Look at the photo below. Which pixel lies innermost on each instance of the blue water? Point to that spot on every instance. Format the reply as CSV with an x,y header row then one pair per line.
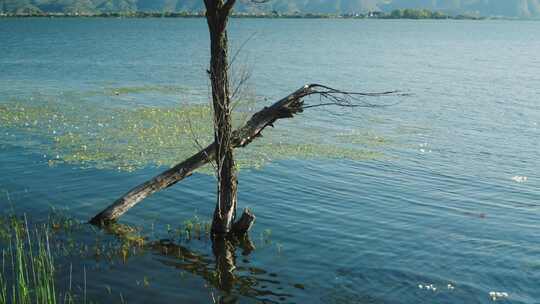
x,y
446,203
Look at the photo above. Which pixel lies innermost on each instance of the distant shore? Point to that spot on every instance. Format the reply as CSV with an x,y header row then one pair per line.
x,y
396,14
414,14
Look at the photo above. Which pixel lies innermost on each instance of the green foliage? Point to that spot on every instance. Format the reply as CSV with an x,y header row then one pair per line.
x,y
415,14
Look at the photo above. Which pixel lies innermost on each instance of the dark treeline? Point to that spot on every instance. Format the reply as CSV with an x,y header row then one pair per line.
x,y
395,14
526,9
409,13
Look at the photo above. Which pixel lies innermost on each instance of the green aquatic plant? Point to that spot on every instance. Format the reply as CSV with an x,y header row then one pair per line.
x,y
266,237
279,247
81,131
162,89
146,281
39,248
31,256
60,221
30,276
196,227
362,138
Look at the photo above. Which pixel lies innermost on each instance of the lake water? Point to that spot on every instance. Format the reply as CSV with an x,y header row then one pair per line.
x,y
365,205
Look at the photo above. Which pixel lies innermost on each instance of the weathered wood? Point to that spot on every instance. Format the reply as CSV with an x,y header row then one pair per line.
x,y
244,224
216,16
160,182
285,108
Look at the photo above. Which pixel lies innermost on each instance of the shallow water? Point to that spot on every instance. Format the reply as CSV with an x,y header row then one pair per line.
x,y
438,194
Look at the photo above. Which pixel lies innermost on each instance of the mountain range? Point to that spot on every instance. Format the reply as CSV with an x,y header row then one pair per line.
x,y
505,8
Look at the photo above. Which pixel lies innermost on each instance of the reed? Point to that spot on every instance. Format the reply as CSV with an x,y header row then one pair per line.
x,y
27,273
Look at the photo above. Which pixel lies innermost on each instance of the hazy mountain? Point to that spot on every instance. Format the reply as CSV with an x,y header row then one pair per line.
x,y
511,8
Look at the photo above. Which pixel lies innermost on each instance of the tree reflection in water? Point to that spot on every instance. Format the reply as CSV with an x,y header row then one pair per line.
x,y
220,271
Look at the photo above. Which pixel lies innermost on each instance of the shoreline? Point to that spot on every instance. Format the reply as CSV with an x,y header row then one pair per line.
x,y
142,15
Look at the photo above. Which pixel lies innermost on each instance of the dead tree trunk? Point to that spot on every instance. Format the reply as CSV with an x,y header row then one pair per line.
x,y
284,108
217,13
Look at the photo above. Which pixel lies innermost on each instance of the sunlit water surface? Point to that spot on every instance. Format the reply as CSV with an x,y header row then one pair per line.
x,y
385,205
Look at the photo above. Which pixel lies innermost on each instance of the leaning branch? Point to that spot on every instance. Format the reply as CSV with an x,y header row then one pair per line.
x,y
284,108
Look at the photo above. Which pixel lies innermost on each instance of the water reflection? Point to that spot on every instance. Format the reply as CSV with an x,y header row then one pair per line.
x,y
221,270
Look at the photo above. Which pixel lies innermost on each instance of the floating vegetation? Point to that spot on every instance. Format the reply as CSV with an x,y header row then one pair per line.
x,y
88,134
362,138
162,89
299,286
266,236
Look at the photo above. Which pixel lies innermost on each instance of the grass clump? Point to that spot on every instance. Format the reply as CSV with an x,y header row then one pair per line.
x,y
195,228
28,270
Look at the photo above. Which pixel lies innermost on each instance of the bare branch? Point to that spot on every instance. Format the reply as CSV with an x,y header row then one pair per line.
x,y
335,97
228,6
239,84
287,107
237,52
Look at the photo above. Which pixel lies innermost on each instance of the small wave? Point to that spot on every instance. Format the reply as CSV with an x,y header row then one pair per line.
x,y
520,179
497,295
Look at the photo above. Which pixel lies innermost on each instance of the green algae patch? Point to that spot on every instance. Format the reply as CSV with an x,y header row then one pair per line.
x,y
107,137
162,89
110,138
362,138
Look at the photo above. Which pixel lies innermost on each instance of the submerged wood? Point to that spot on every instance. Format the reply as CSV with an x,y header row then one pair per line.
x,y
244,224
287,107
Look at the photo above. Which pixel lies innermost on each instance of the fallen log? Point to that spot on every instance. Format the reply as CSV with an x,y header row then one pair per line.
x,y
287,107
284,108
